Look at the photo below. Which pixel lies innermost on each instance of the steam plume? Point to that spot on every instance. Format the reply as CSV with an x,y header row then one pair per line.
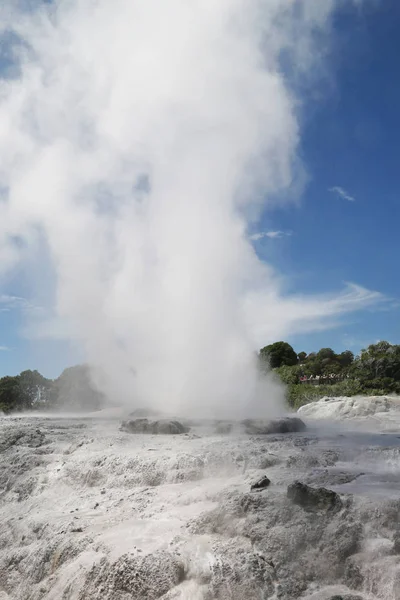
x,y
137,139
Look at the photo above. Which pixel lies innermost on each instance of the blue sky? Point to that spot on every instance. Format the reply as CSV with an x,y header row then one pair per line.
x,y
343,228
350,141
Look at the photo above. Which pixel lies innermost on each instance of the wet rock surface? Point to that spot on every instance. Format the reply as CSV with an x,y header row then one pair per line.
x,y
160,427
88,512
261,484
314,498
284,425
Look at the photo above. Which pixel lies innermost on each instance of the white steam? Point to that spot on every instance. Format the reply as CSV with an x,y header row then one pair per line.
x,y
137,139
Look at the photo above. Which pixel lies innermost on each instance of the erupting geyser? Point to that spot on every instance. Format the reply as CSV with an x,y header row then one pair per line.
x,y
139,141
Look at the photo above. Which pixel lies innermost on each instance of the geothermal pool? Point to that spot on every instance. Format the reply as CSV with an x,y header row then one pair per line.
x,y
90,512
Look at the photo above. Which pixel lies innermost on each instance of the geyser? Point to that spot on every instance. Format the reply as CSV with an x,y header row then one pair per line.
x,y
138,142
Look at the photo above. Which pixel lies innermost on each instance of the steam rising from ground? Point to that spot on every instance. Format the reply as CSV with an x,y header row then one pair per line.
x,y
138,140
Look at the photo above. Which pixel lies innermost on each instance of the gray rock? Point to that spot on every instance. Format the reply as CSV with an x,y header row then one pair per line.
x,y
32,438
161,427
148,578
314,498
238,573
284,425
261,484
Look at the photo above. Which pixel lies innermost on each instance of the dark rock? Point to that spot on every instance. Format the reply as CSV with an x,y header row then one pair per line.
x,y
169,427
261,484
163,426
314,498
346,597
396,542
284,425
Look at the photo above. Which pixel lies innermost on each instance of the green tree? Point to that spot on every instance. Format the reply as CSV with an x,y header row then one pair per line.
x,y
313,366
10,394
346,358
302,356
377,364
35,390
278,354
289,375
326,354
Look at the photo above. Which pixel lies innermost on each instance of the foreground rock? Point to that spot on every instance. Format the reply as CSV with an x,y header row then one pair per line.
x,y
261,484
148,578
93,514
284,425
161,427
314,498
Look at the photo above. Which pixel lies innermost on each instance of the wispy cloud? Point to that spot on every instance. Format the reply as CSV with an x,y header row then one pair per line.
x,y
9,302
4,348
342,193
270,234
288,314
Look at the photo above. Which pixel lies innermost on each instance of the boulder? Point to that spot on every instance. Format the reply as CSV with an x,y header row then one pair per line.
x,y
283,425
261,484
314,498
161,427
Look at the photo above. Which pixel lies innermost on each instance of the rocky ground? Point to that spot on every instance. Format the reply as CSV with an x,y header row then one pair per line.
x,y
89,511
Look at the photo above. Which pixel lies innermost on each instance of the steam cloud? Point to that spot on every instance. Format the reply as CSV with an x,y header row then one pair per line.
x,y
138,139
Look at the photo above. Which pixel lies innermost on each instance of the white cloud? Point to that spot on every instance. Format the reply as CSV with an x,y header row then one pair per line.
x,y
270,234
342,193
201,110
4,348
279,315
11,301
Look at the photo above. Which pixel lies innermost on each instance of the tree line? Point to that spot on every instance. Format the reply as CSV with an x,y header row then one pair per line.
x,y
29,390
375,371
